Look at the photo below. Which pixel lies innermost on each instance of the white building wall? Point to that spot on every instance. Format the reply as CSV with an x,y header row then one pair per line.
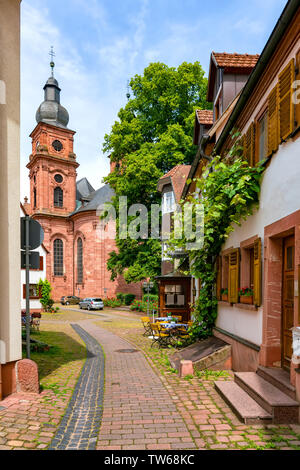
x,y
280,197
10,325
34,277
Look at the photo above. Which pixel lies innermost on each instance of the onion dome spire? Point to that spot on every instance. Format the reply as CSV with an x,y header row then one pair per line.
x,y
51,111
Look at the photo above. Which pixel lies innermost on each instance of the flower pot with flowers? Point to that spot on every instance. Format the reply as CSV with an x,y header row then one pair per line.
x,y
246,295
224,295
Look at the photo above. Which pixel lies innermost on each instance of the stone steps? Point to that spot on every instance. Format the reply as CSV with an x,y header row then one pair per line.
x,y
247,409
281,407
279,378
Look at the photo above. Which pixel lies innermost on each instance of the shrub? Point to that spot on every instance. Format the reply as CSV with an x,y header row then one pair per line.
x,y
129,298
152,298
112,302
121,296
45,291
142,306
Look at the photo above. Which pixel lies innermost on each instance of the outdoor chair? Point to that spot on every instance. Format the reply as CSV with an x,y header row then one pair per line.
x,y
35,319
178,317
146,325
161,336
180,334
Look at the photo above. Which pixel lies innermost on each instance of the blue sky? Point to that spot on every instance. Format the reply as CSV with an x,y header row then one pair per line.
x,y
101,44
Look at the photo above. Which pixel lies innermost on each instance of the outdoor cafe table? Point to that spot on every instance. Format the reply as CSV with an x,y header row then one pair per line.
x,y
170,326
166,319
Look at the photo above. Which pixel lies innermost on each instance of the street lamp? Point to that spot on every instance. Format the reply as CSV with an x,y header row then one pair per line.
x,y
148,286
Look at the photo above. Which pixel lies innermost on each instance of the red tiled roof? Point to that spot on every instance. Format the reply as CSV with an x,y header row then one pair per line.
x,y
205,117
235,60
178,175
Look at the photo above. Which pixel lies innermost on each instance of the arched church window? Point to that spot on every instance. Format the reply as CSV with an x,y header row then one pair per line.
x,y
58,256
34,198
58,197
79,261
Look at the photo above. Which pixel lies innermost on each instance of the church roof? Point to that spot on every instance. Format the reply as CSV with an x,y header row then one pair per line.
x,y
83,189
96,199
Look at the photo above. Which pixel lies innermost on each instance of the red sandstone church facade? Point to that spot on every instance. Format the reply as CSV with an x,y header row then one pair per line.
x,y
78,244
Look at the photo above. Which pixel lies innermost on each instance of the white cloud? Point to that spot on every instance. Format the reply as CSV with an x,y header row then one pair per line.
x,y
81,93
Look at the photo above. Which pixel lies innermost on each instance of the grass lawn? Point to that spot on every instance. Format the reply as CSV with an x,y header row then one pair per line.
x,y
62,364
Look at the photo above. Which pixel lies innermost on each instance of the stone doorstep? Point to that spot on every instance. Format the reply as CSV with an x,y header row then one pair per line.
x,y
203,354
247,409
217,358
279,378
282,407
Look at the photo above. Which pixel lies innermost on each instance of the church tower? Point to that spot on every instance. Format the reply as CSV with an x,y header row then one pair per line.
x,y
52,163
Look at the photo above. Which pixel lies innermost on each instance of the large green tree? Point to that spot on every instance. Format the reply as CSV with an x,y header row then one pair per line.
x,y
153,134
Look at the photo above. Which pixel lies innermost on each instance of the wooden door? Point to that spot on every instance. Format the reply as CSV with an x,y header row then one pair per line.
x,y
288,300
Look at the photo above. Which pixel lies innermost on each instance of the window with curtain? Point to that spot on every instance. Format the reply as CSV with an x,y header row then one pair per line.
x,y
58,253
79,261
58,197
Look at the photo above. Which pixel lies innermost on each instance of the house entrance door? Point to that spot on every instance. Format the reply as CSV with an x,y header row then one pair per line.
x,y
288,300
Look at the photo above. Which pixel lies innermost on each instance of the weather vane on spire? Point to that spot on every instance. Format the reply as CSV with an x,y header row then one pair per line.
x,y
52,64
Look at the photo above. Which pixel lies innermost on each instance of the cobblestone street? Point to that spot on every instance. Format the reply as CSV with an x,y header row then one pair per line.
x,y
146,406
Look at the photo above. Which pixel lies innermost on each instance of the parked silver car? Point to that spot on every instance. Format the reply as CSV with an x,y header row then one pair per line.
x,y
92,303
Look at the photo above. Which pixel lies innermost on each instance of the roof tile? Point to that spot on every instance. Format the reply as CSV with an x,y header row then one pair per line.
x,y
178,175
205,117
226,60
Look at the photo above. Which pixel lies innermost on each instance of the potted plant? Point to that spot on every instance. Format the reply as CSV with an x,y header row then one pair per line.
x,y
224,295
246,295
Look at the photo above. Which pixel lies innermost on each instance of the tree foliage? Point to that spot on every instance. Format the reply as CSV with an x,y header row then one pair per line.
x,y
45,289
229,192
152,135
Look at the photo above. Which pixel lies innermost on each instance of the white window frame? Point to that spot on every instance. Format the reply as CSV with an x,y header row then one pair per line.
x,y
168,205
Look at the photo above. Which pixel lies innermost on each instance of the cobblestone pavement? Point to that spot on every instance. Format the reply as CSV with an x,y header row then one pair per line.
x,y
210,423
138,410
80,425
30,421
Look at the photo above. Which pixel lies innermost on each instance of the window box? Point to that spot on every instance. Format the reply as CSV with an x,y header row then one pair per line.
x,y
246,299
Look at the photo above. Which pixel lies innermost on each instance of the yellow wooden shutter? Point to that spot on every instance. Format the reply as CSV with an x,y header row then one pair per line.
x,y
219,277
286,108
273,121
234,274
297,105
249,145
257,281
256,143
